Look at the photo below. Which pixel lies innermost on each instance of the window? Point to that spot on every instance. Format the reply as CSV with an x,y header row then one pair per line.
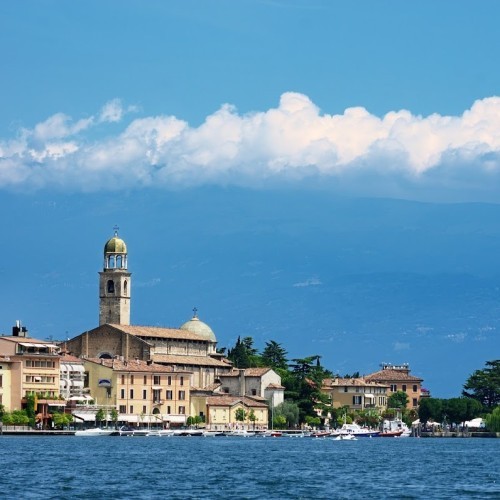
x,y
168,410
125,287
123,379
169,380
182,395
415,402
145,379
415,388
144,410
123,409
394,387
131,409
182,410
131,379
345,389
122,394
156,380
254,392
404,387
144,394
131,393
182,381
1,381
111,286
356,400
169,394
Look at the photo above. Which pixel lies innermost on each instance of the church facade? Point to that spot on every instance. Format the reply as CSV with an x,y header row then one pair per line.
x,y
191,347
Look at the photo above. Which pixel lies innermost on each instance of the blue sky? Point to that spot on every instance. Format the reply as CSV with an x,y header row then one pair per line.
x,y
112,100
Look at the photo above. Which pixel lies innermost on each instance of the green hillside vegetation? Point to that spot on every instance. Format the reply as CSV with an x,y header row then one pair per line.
x,y
303,378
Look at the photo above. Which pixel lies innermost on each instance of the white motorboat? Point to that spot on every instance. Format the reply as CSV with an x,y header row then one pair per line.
x,y
94,432
345,437
355,430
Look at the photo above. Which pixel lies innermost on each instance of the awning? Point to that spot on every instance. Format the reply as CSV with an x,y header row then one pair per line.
x,y
57,404
86,417
369,396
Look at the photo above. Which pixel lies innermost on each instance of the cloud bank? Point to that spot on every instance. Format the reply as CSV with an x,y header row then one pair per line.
x,y
399,154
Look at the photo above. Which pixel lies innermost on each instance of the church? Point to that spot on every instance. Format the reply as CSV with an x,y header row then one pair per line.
x,y
190,348
164,373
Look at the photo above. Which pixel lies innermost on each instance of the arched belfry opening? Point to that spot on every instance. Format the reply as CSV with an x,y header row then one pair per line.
x,y
114,283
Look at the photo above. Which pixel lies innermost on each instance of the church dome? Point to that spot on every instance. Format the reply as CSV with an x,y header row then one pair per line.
x,y
194,325
115,245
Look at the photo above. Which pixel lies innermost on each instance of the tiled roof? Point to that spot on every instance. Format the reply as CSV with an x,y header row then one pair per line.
x,y
390,375
159,332
69,358
249,372
188,360
134,366
27,340
274,386
350,382
233,400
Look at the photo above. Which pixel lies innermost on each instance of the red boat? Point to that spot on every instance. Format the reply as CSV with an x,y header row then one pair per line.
x,y
390,434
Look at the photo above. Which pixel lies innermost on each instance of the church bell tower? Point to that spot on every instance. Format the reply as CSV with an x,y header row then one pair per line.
x,y
114,284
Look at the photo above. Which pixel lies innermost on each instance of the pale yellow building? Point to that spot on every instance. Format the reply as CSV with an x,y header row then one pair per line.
x,y
142,392
356,393
398,378
222,411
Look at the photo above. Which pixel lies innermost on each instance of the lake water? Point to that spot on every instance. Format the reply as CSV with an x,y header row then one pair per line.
x,y
69,467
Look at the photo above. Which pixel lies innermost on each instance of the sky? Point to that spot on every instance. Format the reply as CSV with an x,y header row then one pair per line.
x,y
144,99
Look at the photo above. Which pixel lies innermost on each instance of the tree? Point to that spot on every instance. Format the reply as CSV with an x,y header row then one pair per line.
x,y
240,415
62,419
493,420
243,354
484,385
100,415
274,356
114,416
252,417
17,417
398,399
289,411
430,408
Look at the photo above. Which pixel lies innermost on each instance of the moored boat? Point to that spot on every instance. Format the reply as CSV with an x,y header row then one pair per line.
x,y
94,432
355,430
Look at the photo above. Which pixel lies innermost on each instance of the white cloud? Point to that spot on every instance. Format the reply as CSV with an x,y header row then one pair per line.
x,y
399,154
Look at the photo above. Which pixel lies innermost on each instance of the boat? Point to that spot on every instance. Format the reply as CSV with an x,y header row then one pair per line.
x,y
321,434
355,430
345,437
160,433
395,428
96,431
241,433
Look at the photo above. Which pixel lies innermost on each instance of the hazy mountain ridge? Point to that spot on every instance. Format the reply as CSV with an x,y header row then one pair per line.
x,y
358,281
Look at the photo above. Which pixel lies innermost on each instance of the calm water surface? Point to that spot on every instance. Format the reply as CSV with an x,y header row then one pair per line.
x,y
69,467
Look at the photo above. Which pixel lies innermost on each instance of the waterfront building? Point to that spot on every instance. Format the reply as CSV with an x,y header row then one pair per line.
x,y
398,378
34,371
72,378
143,392
222,412
191,347
6,388
356,393
263,383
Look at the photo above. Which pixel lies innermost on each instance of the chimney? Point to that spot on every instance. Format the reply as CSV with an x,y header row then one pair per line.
x,y
242,382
